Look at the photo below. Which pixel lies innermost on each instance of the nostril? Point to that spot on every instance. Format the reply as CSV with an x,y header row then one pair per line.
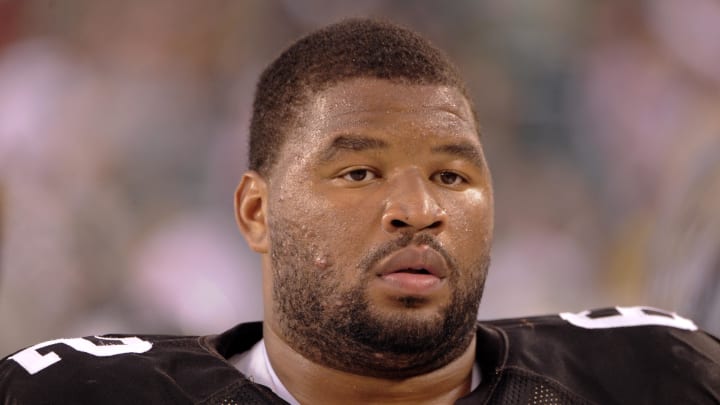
x,y
398,223
435,224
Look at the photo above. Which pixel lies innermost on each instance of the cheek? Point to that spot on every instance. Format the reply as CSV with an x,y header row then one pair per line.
x,y
328,235
341,245
471,225
342,240
345,217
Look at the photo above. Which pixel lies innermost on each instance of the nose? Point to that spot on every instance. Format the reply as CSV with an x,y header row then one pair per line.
x,y
411,207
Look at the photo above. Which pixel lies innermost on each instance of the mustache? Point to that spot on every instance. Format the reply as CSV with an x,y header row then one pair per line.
x,y
404,241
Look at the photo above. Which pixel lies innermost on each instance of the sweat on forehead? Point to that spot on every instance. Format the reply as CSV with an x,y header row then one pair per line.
x,y
349,49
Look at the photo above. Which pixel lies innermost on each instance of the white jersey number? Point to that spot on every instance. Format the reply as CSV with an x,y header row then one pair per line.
x,y
32,361
620,317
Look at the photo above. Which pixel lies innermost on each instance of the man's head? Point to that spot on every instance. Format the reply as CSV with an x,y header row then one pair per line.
x,y
370,201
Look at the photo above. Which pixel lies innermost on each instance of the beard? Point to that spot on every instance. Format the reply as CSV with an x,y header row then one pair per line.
x,y
339,328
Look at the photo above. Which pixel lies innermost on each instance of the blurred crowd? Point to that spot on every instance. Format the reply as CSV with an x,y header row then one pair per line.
x,y
123,130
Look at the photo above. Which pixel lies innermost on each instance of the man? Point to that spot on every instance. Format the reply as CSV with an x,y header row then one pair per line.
x,y
370,202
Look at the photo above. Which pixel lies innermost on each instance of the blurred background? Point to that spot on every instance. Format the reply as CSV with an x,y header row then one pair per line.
x,y
123,131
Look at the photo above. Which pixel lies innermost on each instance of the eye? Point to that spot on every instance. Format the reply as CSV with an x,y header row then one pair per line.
x,y
359,175
449,178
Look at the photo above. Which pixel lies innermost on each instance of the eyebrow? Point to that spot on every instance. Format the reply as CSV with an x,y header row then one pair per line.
x,y
464,150
357,143
354,143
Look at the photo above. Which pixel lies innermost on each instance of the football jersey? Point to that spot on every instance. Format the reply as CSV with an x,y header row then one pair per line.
x,y
618,355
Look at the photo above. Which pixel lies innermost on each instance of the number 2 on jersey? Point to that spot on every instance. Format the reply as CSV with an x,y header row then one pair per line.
x,y
32,361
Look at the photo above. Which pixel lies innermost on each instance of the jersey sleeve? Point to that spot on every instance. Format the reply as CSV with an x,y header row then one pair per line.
x,y
79,370
123,369
620,355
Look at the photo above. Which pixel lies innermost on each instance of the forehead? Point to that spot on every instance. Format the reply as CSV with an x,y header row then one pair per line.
x,y
368,103
404,117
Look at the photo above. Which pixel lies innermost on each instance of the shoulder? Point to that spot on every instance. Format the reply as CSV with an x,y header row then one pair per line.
x,y
621,352
109,369
652,327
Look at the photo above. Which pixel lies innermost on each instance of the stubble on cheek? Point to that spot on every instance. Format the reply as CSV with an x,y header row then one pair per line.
x,y
300,270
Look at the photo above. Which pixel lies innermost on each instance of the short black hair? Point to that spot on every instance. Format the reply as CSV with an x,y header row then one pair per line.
x,y
349,49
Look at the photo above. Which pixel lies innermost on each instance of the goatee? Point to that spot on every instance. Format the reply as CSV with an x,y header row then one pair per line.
x,y
339,328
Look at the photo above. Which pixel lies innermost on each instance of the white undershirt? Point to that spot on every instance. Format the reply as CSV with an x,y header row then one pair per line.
x,y
256,366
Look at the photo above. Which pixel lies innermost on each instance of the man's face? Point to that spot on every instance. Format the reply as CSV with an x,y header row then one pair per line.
x,y
380,214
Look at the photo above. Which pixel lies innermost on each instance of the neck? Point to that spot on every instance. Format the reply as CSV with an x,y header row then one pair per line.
x,y
313,383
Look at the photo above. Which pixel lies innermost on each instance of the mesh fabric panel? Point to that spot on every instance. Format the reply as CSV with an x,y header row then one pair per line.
x,y
518,387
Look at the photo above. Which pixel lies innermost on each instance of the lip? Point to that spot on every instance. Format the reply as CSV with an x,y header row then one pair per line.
x,y
401,270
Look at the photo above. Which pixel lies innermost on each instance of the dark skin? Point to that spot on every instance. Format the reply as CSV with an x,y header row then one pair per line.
x,y
371,163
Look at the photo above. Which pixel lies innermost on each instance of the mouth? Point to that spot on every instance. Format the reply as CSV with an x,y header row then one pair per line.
x,y
414,270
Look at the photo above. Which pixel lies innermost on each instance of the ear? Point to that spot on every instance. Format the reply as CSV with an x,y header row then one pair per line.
x,y
251,211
